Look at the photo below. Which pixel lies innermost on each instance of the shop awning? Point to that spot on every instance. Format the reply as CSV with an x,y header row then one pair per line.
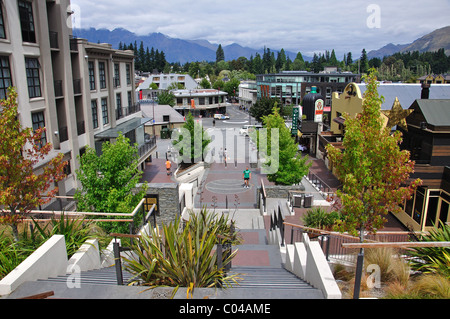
x,y
339,120
125,127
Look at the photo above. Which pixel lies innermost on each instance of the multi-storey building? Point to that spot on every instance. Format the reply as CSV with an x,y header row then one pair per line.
x,y
247,94
156,83
291,86
204,102
80,92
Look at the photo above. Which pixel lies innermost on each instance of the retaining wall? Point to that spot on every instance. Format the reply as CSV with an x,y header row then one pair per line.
x,y
49,260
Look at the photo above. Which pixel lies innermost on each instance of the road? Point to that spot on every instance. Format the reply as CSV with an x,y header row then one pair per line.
x,y
225,135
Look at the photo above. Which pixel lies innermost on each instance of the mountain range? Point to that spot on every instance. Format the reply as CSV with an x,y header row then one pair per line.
x,y
179,50
176,50
433,41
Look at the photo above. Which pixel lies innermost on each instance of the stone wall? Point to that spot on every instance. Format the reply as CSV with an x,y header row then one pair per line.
x,y
168,201
280,191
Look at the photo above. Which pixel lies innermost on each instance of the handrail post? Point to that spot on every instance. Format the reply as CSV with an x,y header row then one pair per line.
x,y
328,247
219,256
118,262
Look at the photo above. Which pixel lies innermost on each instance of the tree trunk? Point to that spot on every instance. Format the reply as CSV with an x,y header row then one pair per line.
x,y
359,266
15,232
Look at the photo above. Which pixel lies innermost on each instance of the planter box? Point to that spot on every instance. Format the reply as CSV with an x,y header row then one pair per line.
x,y
49,260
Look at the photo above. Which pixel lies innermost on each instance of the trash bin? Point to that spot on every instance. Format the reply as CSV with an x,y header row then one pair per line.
x,y
308,201
297,200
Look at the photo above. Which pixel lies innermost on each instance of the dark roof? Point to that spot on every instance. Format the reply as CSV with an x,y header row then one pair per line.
x,y
436,112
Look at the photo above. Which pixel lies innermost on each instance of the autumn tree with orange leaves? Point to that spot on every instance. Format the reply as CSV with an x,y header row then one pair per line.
x,y
374,172
21,189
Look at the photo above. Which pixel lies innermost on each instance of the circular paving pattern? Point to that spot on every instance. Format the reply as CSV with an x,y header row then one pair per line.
x,y
227,186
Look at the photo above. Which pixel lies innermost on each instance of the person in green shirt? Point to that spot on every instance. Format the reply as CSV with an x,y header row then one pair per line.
x,y
246,175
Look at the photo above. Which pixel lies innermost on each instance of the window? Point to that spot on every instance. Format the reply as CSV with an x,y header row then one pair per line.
x,y
119,105
34,83
2,24
5,76
105,111
27,21
102,75
116,75
130,99
128,70
94,113
91,75
38,121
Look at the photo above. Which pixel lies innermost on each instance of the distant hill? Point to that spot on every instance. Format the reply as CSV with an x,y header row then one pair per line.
x,y
431,42
176,50
387,50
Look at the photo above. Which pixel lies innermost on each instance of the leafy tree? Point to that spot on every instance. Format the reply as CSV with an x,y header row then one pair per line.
x,y
21,188
291,166
263,107
166,98
204,83
108,181
193,141
372,168
232,87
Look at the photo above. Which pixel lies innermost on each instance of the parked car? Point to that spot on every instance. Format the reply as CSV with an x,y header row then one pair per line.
x,y
246,129
221,117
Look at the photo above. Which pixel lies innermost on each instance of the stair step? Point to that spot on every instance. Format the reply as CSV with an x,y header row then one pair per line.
x,y
103,276
268,278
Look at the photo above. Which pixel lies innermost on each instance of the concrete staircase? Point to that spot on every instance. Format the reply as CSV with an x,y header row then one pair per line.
x,y
262,273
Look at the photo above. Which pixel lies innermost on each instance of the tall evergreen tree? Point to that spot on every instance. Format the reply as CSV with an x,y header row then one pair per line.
x,y
364,62
220,54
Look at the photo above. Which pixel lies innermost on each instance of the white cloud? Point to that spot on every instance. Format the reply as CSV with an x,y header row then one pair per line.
x,y
306,25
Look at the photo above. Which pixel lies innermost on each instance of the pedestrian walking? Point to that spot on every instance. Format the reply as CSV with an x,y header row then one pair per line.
x,y
246,175
225,156
168,167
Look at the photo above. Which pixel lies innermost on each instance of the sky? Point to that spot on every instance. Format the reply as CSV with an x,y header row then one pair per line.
x,y
305,26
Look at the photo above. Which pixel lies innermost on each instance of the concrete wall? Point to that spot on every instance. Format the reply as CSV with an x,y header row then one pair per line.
x,y
49,260
307,261
87,257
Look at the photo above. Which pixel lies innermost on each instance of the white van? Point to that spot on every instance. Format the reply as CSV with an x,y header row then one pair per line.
x,y
245,129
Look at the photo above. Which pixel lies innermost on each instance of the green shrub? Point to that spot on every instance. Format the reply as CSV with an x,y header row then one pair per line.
x,y
317,217
433,259
183,256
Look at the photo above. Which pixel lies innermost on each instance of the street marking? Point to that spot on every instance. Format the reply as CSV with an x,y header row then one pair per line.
x,y
235,122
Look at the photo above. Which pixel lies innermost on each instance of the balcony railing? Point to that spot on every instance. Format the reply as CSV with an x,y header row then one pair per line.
x,y
125,111
147,146
73,44
77,86
63,134
53,40
81,128
58,88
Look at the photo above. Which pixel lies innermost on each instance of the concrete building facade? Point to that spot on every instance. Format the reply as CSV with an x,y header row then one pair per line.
x,y
291,86
79,91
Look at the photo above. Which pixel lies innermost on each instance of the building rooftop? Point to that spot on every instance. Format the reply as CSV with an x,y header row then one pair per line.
x,y
407,93
436,112
150,109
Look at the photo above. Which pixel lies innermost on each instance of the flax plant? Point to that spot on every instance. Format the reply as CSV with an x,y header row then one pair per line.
x,y
182,256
